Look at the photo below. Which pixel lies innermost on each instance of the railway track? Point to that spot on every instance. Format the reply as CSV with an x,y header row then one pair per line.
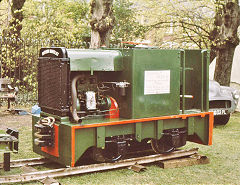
x,y
33,176
26,162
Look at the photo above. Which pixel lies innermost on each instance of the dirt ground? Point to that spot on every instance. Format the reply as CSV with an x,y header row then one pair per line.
x,y
13,120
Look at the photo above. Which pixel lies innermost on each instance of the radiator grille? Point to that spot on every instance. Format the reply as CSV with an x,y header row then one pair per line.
x,y
53,85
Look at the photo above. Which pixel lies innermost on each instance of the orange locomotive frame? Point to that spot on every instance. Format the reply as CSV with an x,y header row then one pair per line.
x,y
182,116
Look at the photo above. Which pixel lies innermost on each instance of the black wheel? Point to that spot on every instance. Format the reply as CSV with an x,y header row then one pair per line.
x,y
160,146
104,155
221,120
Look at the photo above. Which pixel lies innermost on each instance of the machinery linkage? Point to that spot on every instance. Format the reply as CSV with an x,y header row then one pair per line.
x,y
44,132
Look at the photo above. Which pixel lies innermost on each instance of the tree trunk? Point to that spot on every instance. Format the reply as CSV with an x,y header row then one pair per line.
x,y
224,65
101,23
15,25
225,41
13,32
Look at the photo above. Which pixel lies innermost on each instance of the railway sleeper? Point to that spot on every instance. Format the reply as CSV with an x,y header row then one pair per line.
x,y
189,155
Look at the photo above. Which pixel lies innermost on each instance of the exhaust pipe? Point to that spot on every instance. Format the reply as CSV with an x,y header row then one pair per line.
x,y
74,99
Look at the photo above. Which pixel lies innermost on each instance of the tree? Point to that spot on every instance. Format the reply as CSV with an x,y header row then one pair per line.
x,y
5,15
199,24
11,41
126,25
15,25
175,23
69,20
225,39
56,20
102,22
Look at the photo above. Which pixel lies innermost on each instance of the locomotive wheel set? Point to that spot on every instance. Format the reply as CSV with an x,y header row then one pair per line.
x,y
109,102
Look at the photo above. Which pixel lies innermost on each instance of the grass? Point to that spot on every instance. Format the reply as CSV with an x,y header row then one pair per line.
x,y
224,167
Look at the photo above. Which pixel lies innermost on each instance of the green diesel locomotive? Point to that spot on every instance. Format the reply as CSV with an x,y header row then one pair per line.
x,y
109,102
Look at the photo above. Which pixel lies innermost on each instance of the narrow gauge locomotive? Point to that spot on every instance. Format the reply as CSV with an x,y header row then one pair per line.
x,y
109,102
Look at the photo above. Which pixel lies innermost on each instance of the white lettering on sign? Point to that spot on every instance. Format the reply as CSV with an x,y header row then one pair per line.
x,y
219,112
157,82
50,51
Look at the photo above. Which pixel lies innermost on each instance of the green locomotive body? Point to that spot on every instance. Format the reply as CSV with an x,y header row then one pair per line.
x,y
109,102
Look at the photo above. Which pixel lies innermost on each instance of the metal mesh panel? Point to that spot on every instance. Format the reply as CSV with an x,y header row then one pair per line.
x,y
53,85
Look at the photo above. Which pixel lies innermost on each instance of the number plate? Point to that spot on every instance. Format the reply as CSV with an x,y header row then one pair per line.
x,y
219,112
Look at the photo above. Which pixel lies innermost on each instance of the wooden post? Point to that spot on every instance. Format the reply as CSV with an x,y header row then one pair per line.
x,y
9,104
6,161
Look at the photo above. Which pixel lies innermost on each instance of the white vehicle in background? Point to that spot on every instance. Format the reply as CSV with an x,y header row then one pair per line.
x,y
223,101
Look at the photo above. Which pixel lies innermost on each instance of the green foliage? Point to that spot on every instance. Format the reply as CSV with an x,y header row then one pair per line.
x,y
178,23
15,23
79,13
69,19
126,26
18,58
56,19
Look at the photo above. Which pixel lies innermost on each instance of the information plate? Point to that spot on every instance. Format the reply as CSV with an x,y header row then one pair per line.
x,y
157,82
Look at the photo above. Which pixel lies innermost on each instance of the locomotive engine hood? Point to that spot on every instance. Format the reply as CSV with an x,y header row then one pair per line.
x,y
87,60
95,60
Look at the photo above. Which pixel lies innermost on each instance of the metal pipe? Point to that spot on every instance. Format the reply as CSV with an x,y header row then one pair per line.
x,y
183,58
204,81
74,99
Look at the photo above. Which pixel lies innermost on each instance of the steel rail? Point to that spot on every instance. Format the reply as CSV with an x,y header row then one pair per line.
x,y
33,176
39,161
29,162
